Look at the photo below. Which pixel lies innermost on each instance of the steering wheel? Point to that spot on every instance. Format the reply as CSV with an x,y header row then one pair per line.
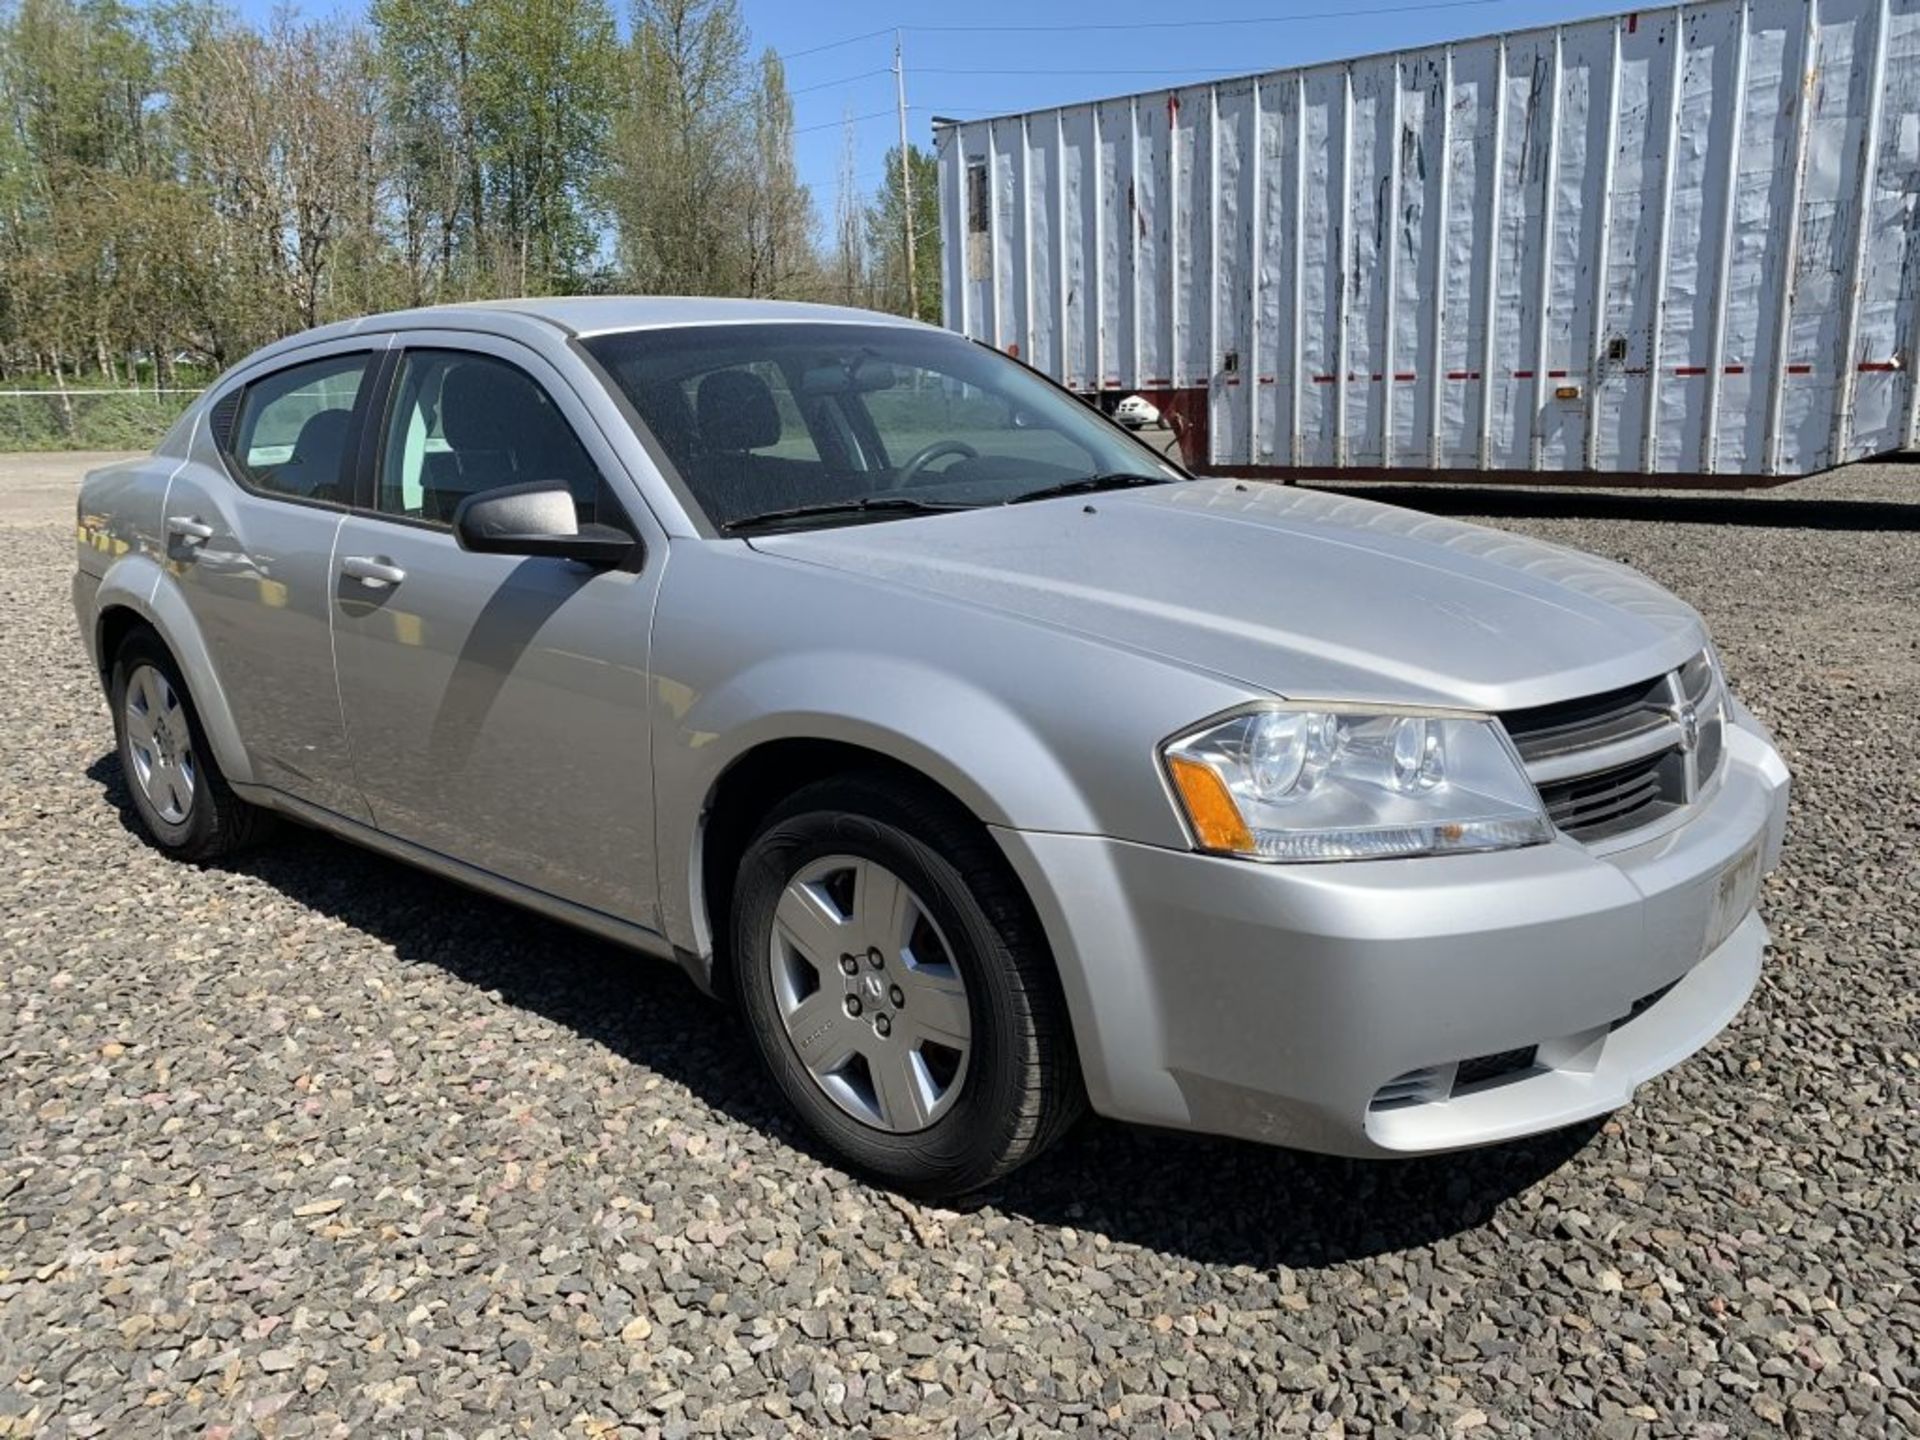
x,y
909,473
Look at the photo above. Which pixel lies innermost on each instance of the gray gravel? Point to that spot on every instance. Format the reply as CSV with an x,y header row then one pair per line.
x,y
319,1145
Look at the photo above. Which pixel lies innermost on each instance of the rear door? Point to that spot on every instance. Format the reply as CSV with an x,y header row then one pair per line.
x,y
250,525
497,705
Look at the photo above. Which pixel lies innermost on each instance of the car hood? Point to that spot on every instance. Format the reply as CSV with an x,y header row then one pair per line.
x,y
1298,593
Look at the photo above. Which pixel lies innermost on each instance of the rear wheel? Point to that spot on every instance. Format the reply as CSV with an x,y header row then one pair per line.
x,y
898,988
184,803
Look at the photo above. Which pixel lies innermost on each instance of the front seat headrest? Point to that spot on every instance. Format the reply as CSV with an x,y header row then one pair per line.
x,y
480,406
736,412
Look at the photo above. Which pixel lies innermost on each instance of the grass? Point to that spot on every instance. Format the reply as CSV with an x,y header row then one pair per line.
x,y
87,420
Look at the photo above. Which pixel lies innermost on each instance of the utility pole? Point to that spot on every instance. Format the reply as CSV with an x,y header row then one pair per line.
x,y
906,178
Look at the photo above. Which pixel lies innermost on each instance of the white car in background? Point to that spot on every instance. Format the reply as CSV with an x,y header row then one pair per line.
x,y
1135,413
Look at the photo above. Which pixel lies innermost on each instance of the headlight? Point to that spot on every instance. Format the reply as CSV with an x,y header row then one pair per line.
x,y
1301,784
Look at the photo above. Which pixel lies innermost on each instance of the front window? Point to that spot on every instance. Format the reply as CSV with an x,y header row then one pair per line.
x,y
788,425
462,423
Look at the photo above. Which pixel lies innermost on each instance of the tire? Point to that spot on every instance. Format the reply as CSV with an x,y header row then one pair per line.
x,y
185,806
971,948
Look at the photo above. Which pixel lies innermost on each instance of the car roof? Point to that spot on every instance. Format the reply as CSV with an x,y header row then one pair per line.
x,y
594,314
581,315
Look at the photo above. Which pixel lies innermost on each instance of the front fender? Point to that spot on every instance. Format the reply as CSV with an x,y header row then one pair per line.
x,y
958,734
141,584
1031,726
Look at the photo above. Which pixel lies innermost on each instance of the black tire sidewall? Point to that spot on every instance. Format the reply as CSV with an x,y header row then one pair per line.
x,y
196,830
965,1144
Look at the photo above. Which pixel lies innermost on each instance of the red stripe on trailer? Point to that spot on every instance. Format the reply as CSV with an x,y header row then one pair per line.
x,y
1323,379
1556,374
1266,379
1736,369
1403,375
1463,374
1879,367
1799,369
1689,369
1523,374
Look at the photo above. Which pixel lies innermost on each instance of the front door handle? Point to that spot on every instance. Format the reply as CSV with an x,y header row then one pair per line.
x,y
188,530
371,571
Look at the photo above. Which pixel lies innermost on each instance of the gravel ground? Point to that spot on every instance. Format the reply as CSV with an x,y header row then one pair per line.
x,y
319,1145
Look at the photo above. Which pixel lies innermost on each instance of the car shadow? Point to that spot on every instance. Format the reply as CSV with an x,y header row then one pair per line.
x,y
1208,1200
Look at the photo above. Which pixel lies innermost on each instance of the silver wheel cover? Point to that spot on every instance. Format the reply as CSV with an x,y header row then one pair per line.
x,y
159,744
865,983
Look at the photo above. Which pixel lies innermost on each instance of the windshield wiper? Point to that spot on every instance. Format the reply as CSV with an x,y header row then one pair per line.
x,y
865,505
1087,485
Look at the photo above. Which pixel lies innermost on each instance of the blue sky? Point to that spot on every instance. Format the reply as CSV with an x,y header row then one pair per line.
x,y
993,56
992,66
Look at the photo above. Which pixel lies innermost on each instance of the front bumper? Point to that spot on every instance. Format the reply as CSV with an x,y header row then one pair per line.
x,y
1282,1002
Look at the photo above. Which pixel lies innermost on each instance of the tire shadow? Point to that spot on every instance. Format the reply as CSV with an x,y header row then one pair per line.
x,y
1211,1201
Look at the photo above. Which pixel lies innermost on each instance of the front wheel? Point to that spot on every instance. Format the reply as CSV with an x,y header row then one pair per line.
x,y
898,989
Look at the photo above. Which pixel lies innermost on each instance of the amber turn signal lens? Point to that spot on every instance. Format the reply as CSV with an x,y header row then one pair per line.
x,y
1216,819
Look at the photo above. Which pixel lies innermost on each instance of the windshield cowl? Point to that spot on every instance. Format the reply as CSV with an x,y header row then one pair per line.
x,y
882,507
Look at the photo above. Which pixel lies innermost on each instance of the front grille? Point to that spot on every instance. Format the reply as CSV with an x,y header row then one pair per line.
x,y
1609,764
1641,1006
1431,1084
1416,1087
1546,731
1483,1068
1612,802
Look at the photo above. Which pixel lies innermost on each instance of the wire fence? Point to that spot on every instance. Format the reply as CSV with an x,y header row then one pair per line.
x,y
89,419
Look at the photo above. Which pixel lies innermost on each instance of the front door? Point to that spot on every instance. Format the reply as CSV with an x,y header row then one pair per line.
x,y
496,705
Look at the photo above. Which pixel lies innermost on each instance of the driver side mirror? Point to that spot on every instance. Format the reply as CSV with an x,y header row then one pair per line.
x,y
536,519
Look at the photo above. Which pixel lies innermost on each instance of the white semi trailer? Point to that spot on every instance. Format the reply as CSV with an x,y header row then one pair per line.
x,y
1677,246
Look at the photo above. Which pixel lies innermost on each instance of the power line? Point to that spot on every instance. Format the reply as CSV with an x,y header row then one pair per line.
x,y
836,44
844,80
850,120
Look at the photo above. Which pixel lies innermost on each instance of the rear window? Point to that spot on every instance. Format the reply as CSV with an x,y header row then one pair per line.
x,y
294,428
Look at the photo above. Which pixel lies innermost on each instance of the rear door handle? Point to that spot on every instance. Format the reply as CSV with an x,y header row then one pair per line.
x,y
371,571
188,530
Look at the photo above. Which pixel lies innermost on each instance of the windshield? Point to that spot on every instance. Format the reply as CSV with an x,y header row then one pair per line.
x,y
832,424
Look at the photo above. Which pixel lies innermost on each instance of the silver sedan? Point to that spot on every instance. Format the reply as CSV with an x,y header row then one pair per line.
x,y
989,763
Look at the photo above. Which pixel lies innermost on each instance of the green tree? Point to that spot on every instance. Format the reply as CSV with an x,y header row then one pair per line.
x,y
776,209
886,236
677,147
543,91
424,54
175,178
76,81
